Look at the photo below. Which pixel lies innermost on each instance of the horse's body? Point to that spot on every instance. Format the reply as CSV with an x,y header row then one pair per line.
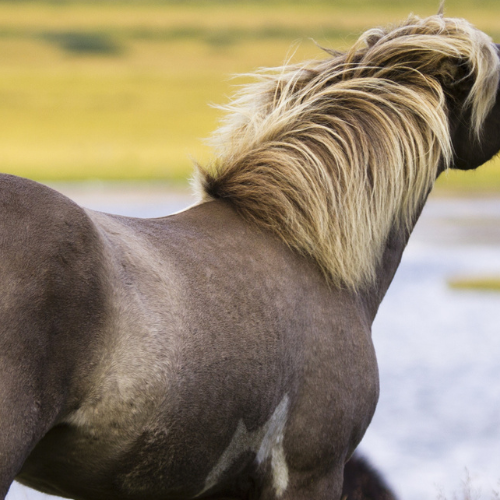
x,y
200,355
163,337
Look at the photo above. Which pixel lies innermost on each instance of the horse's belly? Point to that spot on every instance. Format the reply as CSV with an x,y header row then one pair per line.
x,y
177,458
156,424
192,438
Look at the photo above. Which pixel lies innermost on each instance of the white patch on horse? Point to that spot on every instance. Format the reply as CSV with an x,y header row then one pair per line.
x,y
266,442
279,467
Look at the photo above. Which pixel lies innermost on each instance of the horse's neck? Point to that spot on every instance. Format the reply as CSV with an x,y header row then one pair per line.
x,y
396,243
390,262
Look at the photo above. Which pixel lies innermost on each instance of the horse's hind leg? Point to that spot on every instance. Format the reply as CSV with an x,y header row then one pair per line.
x,y
22,419
28,403
51,298
14,438
31,372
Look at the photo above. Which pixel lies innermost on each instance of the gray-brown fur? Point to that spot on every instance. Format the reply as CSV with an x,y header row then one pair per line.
x,y
195,355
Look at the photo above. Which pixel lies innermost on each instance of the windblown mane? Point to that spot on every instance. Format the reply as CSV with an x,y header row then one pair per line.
x,y
330,155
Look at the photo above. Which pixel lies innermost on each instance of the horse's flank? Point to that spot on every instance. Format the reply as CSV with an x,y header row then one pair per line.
x,y
332,154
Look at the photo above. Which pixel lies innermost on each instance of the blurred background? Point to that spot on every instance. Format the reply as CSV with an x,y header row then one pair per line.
x,y
109,101
120,89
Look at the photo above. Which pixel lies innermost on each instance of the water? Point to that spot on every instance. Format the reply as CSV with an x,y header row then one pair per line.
x,y
438,419
437,423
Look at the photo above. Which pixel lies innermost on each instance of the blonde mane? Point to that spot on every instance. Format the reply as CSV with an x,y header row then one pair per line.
x,y
330,155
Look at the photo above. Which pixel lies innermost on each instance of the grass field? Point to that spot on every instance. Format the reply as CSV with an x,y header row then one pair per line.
x,y
121,89
484,284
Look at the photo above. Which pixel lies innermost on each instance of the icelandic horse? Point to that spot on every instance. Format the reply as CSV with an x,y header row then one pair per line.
x,y
225,352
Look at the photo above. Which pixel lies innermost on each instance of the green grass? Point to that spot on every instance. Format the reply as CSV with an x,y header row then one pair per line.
x,y
121,89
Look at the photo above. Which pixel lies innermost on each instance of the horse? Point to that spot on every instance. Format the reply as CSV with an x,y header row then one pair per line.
x,y
225,351
363,482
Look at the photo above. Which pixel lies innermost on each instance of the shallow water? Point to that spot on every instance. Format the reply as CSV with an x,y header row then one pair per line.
x,y
438,351
438,419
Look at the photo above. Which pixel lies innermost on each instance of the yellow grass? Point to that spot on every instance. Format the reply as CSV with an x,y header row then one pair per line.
x,y
490,284
140,109
483,180
135,116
